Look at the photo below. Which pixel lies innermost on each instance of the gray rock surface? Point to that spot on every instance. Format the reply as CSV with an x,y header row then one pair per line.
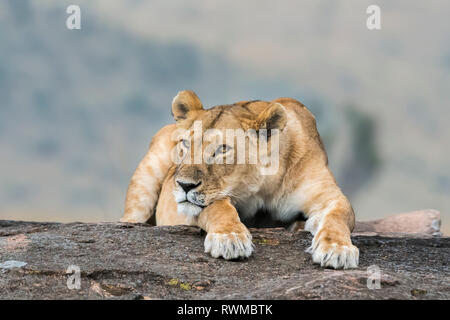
x,y
123,261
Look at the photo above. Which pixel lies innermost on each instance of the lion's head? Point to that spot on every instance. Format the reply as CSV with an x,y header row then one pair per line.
x,y
224,151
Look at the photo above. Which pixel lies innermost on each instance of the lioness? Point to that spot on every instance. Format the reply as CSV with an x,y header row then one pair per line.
x,y
215,193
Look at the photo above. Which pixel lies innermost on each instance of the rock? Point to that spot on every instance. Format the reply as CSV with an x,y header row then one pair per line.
x,y
423,222
124,261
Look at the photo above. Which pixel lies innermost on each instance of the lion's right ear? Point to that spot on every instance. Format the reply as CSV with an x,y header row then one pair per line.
x,y
185,104
273,118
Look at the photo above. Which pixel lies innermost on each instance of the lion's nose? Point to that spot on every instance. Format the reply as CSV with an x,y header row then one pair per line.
x,y
187,186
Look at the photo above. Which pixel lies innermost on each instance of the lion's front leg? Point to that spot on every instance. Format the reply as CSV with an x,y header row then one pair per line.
x,y
227,236
331,245
330,220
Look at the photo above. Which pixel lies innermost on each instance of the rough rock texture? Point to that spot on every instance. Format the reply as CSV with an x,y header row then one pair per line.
x,y
424,222
123,261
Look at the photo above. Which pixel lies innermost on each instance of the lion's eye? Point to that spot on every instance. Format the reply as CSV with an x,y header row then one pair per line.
x,y
222,149
186,143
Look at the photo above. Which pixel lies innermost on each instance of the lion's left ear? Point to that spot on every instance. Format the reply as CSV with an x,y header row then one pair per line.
x,y
274,117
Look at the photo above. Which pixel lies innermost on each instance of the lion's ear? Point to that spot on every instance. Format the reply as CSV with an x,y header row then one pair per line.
x,y
272,118
185,104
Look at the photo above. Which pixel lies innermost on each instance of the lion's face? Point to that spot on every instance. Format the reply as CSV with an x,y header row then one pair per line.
x,y
218,154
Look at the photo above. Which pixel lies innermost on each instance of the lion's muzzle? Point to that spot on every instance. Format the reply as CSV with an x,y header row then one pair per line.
x,y
189,200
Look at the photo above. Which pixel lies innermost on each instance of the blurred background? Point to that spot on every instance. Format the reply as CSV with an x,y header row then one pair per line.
x,y
78,108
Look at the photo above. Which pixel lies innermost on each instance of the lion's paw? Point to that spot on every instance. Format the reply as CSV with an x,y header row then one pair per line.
x,y
135,217
332,255
131,220
229,245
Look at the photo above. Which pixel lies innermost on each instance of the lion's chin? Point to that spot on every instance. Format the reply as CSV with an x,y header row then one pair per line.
x,y
188,209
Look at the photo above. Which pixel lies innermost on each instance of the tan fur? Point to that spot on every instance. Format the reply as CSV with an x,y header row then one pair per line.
x,y
145,186
302,183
